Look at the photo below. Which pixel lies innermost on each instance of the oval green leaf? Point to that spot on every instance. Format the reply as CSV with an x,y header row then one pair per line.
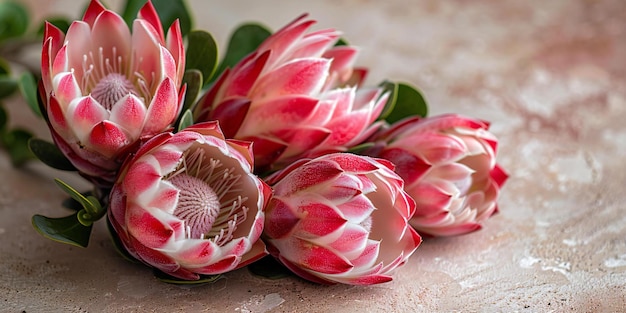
x,y
28,88
408,101
201,53
50,154
13,19
66,230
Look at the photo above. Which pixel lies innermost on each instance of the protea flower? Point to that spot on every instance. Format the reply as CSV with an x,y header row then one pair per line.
x,y
340,218
295,93
189,205
448,163
105,88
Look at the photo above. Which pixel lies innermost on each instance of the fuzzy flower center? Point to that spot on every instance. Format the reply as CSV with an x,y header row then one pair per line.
x,y
111,88
197,205
108,77
210,200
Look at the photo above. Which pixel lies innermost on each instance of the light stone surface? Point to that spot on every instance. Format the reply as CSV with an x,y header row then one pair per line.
x,y
549,75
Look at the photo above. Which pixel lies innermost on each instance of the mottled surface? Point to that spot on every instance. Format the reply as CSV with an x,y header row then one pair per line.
x,y
549,75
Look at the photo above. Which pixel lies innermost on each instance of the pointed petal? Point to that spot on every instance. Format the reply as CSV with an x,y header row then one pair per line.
x,y
231,114
130,113
111,34
93,10
302,76
107,139
163,108
83,114
149,13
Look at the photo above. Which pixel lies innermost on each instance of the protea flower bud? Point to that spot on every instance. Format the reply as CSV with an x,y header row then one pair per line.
x,y
448,163
189,205
340,218
296,93
105,88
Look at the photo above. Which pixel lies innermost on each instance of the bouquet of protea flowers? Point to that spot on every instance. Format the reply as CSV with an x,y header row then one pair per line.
x,y
280,150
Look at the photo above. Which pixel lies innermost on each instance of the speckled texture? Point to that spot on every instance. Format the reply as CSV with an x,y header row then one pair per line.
x,y
549,75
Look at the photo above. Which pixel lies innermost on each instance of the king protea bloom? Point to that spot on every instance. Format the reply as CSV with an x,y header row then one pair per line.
x,y
297,95
340,218
105,88
189,205
448,163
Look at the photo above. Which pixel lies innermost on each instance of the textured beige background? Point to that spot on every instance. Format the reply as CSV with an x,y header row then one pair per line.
x,y
550,75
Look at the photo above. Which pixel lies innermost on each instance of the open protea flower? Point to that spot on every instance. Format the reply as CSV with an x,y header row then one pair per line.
x,y
188,203
296,92
448,163
340,218
104,88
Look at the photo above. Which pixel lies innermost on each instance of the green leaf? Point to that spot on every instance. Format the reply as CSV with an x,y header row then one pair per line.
x,y
64,229
201,53
50,154
28,88
204,279
243,41
392,89
4,118
13,19
8,85
268,267
16,143
168,11
186,120
92,209
193,79
406,101
5,68
74,205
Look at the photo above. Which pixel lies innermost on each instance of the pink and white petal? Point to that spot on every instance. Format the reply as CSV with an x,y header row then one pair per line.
x,y
352,242
111,36
256,252
307,175
163,108
298,77
281,219
66,89
79,45
193,253
311,256
143,177
149,230
231,114
152,257
353,163
244,76
107,139
146,46
83,113
409,166
343,60
149,13
94,9
56,116
130,113
284,112
174,43
224,265
357,210
168,67
319,219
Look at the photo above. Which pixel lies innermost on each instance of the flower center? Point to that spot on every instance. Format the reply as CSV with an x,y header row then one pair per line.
x,y
198,205
210,197
111,88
